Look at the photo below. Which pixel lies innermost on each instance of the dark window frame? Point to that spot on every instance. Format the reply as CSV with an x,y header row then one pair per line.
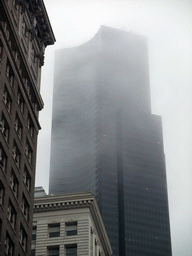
x,y
71,250
54,230
71,228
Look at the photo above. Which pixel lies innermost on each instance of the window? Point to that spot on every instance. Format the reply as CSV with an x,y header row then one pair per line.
x,y
4,127
14,183
28,151
3,159
25,207
6,30
71,228
16,57
20,100
9,246
11,214
2,189
34,232
18,127
7,99
9,73
32,252
54,230
27,179
23,238
1,51
30,126
0,227
95,248
32,55
16,154
27,86
71,250
53,251
23,28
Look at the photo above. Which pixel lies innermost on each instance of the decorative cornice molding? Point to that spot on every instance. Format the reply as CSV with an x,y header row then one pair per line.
x,y
58,205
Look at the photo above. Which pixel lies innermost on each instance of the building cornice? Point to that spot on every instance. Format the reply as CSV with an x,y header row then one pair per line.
x,y
36,8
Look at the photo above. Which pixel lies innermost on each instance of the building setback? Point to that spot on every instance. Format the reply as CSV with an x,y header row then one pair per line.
x,y
69,225
25,31
105,140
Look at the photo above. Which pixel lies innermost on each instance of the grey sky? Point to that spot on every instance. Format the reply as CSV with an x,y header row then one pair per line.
x,y
168,26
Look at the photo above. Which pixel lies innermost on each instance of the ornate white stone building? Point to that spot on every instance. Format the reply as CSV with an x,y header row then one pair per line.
x,y
68,225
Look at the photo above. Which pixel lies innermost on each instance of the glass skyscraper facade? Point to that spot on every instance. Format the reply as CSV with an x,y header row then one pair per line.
x,y
105,140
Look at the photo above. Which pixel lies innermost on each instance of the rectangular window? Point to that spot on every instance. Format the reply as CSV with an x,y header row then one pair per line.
x,y
9,73
7,99
28,151
54,230
18,127
1,51
6,30
3,159
17,59
14,183
71,250
25,207
2,190
20,101
9,246
30,126
71,228
32,252
28,87
4,127
16,154
27,179
0,227
23,238
95,248
53,251
11,214
34,233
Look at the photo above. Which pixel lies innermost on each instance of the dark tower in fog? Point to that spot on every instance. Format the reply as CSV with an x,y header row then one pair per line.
x,y
105,140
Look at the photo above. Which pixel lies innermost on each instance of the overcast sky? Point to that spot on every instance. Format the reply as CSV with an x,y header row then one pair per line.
x,y
168,27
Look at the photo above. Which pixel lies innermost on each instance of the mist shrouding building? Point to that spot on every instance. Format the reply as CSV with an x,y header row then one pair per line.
x,y
105,139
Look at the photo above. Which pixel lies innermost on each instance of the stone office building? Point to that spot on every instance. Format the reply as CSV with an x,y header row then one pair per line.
x,y
25,31
68,225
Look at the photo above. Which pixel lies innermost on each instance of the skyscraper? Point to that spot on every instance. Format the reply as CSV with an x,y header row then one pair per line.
x,y
25,31
105,139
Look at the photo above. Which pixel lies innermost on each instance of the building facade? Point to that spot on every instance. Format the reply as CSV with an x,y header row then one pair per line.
x,y
105,140
69,225
25,31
